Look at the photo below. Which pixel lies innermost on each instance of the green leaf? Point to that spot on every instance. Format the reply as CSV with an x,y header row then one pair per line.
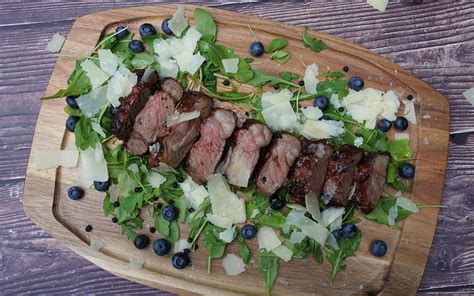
x,y
268,266
243,249
142,60
78,84
180,203
109,41
128,231
161,225
259,203
215,247
107,206
205,23
280,56
380,213
277,44
288,76
347,248
72,112
313,43
335,74
318,253
174,232
272,219
400,150
261,78
209,80
85,136
245,73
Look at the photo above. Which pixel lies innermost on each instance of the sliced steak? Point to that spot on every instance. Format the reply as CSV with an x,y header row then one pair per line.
x,y
136,144
206,153
369,179
339,176
181,136
150,123
309,171
243,156
124,119
281,155
172,87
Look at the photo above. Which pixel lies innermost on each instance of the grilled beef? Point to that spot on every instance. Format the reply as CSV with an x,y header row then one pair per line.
x,y
181,137
172,87
369,179
206,153
136,144
339,175
243,157
309,171
150,123
280,156
124,119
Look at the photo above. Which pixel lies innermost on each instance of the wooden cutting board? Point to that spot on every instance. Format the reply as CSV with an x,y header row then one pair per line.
x,y
399,272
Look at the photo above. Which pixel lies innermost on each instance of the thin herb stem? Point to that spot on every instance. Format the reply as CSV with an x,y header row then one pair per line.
x,y
431,206
251,32
107,139
103,41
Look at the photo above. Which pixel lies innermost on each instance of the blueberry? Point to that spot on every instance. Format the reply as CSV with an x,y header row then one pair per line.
x,y
71,123
165,28
256,48
322,102
356,83
226,82
337,233
121,32
248,231
147,30
75,192
301,83
141,241
378,248
180,260
161,247
71,101
349,230
101,186
401,123
384,125
276,203
136,46
406,170
170,213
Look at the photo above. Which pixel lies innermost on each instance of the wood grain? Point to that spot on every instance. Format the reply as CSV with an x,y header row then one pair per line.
x,y
448,269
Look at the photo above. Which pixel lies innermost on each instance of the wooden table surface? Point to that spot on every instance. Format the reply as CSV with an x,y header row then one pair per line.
x,y
434,40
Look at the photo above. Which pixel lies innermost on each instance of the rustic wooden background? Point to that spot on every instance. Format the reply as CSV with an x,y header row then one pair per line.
x,y
434,40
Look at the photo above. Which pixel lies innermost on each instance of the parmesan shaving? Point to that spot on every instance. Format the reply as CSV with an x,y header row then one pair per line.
x,y
267,239
280,117
194,193
136,263
181,245
312,113
227,235
91,103
233,264
178,23
96,244
407,204
181,117
231,65
50,159
310,80
312,206
56,43
330,215
296,207
410,110
220,221
92,166
469,95
108,61
155,179
358,141
380,5
392,215
297,237
283,252
310,228
189,62
224,202
97,128
96,76
274,98
322,129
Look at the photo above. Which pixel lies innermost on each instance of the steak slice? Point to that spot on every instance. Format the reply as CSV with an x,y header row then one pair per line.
x,y
309,171
172,87
281,155
136,144
340,174
124,119
369,179
243,156
150,123
206,153
181,137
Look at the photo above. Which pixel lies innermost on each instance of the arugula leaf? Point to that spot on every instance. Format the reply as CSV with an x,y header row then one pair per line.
x,y
317,253
268,265
380,213
78,84
288,76
313,43
243,249
205,23
335,74
215,247
347,248
107,206
261,78
85,136
259,203
374,139
280,56
174,232
400,152
128,231
272,219
142,60
277,44
161,225
180,203
72,112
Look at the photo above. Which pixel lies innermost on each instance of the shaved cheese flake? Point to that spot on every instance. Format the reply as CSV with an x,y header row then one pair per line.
x,y
91,103
321,129
330,215
136,263
310,80
194,193
168,68
334,100
181,117
56,43
113,193
224,202
380,5
274,98
254,213
190,40
267,239
310,228
51,159
178,23
392,215
227,235
231,65
407,204
134,168
312,113
198,196
154,149
96,76
283,252
358,141
296,207
220,221
181,245
280,117
108,61
189,62
119,86
332,242
469,95
155,179
92,166
233,264
162,48
312,206
410,110
297,237
97,244
97,128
